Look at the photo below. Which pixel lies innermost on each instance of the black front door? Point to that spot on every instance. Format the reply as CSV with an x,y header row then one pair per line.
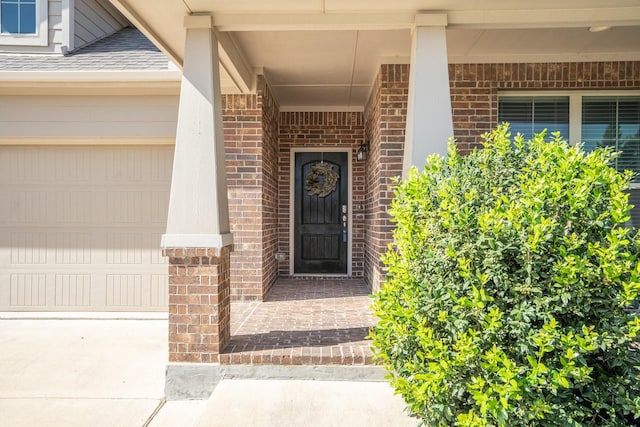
x,y
321,203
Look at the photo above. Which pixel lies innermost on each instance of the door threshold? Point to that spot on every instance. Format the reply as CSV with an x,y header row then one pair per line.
x,y
319,276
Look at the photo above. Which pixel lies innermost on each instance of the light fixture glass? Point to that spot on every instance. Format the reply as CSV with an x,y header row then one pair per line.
x,y
599,28
361,154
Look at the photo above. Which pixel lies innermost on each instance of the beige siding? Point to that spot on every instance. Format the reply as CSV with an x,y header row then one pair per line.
x,y
95,20
87,116
80,225
80,228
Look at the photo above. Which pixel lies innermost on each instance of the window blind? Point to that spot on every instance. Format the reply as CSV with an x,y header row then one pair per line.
x,y
529,115
613,122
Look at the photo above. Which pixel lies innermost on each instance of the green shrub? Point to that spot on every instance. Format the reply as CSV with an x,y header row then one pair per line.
x,y
508,287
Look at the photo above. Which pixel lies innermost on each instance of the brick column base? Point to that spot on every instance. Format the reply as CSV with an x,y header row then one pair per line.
x,y
199,303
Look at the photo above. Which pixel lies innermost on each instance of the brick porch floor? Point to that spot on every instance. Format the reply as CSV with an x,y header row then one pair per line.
x,y
303,322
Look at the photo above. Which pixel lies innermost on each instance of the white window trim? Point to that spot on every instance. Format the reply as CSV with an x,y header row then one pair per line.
x,y
40,38
68,25
575,118
575,107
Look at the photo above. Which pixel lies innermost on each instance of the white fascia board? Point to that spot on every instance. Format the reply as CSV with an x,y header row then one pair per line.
x,y
544,18
107,82
312,21
139,22
495,19
234,62
90,75
431,20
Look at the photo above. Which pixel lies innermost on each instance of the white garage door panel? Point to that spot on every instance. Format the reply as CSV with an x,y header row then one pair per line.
x,y
80,228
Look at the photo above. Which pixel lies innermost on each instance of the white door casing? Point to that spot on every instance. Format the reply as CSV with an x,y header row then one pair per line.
x,y
293,152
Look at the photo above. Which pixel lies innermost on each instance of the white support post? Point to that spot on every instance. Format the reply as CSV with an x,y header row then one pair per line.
x,y
198,206
429,115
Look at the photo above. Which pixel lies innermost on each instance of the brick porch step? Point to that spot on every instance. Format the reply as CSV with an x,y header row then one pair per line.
x,y
303,322
349,354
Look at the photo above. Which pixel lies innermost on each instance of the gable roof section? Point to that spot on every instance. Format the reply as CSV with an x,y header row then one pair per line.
x,y
127,49
124,63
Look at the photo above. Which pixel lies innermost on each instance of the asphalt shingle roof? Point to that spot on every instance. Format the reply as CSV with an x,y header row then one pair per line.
x,y
127,49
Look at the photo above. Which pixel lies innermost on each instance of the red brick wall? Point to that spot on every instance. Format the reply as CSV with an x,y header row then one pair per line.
x,y
474,98
372,114
386,114
474,88
258,140
250,128
321,129
242,118
199,305
270,180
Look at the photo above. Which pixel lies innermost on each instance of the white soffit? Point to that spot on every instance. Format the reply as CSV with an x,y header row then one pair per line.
x,y
313,96
412,5
320,68
393,45
306,67
301,57
326,53
542,45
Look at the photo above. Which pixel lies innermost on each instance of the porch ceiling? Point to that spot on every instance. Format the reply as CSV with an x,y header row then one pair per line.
x,y
324,54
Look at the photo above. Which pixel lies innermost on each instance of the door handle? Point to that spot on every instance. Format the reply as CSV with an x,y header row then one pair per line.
x,y
344,217
344,223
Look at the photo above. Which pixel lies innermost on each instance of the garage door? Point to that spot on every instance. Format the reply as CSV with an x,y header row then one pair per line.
x,y
80,228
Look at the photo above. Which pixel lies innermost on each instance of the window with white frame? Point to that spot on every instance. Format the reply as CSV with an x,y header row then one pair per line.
x,y
531,114
23,22
613,121
595,119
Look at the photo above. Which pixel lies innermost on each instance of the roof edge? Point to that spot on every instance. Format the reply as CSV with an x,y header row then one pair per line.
x,y
91,76
138,82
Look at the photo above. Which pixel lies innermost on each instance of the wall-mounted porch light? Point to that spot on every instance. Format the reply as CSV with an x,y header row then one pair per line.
x,y
361,154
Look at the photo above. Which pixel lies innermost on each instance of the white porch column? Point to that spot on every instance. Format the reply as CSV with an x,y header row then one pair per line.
x,y
198,242
429,120
198,207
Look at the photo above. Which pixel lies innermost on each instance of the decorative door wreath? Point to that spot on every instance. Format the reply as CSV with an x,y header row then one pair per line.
x,y
322,180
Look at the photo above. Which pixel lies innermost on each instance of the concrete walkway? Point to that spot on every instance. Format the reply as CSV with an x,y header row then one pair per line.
x,y
272,403
111,373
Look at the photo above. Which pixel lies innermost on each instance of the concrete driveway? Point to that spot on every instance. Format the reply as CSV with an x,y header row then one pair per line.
x,y
105,372
81,372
